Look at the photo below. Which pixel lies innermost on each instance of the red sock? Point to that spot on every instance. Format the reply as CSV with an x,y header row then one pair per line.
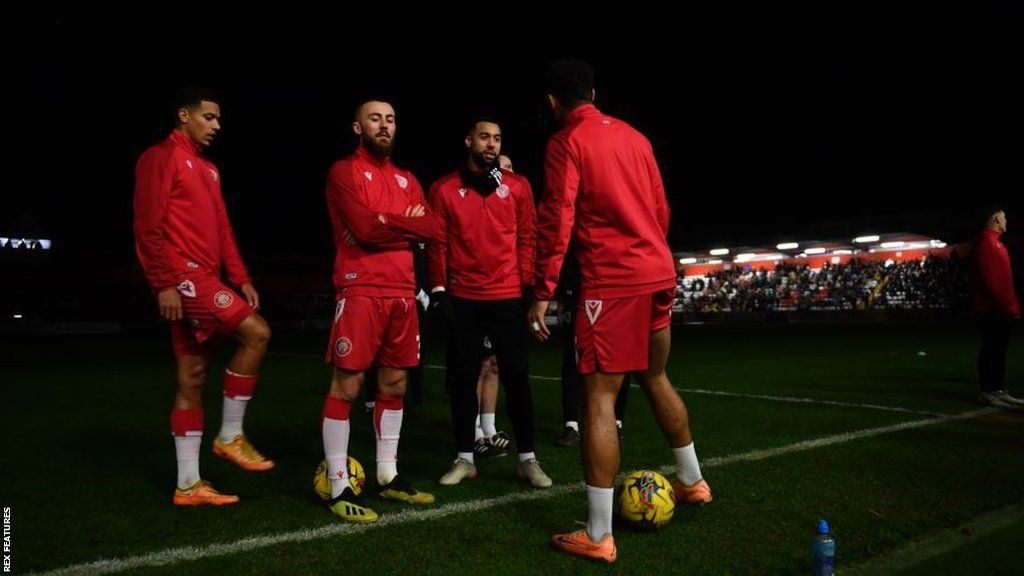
x,y
187,422
239,386
336,409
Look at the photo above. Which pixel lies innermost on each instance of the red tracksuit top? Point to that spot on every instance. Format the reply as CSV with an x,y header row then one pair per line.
x,y
602,189
181,224
487,251
992,282
361,188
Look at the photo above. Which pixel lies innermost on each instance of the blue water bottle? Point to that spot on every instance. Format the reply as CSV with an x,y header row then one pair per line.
x,y
823,549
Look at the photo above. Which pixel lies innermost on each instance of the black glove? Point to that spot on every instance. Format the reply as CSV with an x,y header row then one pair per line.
x,y
441,308
485,181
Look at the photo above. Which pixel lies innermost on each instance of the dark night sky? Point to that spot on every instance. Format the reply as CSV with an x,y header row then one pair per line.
x,y
765,126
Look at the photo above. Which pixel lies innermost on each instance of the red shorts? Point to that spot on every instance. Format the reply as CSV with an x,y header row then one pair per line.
x,y
370,331
211,311
613,335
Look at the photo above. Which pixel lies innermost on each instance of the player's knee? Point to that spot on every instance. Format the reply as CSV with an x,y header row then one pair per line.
x,y
348,394
346,387
347,391
393,385
653,378
395,382
258,336
599,409
490,366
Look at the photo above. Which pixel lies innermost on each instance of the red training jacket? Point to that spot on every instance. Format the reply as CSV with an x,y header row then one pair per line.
x,y
181,224
992,279
360,190
603,189
487,251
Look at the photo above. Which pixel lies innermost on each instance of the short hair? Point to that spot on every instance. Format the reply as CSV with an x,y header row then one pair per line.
x,y
478,119
987,212
191,96
571,82
364,102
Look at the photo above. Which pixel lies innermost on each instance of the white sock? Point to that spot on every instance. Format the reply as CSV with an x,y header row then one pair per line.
x,y
487,424
335,434
387,445
573,424
466,456
524,456
479,430
599,516
186,449
687,467
234,413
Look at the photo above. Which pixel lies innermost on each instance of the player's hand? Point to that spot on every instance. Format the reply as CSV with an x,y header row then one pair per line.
x,y
251,295
169,302
415,211
423,298
347,238
535,320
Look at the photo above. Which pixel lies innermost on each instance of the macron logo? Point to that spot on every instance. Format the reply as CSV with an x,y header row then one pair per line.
x,y
369,176
462,192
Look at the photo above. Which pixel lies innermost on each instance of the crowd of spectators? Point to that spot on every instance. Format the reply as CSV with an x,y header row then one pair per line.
x,y
931,283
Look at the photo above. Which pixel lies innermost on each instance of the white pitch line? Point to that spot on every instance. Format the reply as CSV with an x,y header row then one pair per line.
x,y
799,400
186,553
789,399
770,398
842,438
175,555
